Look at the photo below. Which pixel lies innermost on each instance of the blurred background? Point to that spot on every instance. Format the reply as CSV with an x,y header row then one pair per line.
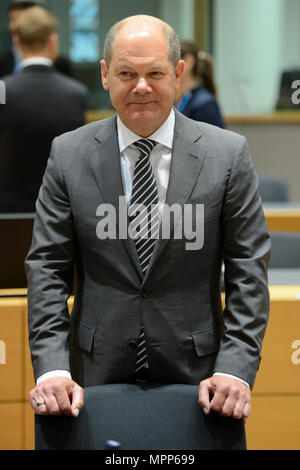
x,y
252,42
255,46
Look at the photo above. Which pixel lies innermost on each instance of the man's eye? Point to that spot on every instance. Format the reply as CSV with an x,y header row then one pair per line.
x,y
125,74
156,74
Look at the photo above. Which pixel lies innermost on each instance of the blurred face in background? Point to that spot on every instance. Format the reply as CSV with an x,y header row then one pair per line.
x,y
140,78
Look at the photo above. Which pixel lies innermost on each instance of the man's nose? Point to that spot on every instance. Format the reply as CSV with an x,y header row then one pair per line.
x,y
142,86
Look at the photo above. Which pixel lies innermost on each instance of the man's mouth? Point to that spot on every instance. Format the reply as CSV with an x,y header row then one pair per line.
x,y
142,103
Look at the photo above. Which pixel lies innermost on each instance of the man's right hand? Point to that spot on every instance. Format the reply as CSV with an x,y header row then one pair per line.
x,y
56,396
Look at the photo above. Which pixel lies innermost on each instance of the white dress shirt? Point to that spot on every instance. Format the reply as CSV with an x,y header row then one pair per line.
x,y
160,159
36,61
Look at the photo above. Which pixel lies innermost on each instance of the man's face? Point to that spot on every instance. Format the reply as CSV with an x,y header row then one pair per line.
x,y
141,79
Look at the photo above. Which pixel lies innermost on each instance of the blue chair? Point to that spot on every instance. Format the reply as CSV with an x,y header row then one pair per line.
x,y
285,251
273,189
140,416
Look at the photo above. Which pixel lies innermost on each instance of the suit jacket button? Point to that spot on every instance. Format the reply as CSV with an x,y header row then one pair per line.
x,y
132,344
144,295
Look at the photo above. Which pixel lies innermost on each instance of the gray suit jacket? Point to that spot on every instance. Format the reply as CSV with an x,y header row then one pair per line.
x,y
188,334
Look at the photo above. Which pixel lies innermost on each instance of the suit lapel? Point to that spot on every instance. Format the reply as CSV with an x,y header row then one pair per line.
x,y
187,160
106,167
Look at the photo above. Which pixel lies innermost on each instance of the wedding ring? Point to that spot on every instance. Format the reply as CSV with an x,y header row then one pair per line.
x,y
40,403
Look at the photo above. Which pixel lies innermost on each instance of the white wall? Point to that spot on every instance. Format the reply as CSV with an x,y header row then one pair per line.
x,y
247,50
180,15
290,51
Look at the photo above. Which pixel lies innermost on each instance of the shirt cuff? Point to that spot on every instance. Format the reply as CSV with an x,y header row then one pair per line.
x,y
53,373
232,376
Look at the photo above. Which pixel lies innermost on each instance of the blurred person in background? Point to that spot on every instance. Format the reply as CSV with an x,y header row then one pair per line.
x,y
11,60
41,104
196,97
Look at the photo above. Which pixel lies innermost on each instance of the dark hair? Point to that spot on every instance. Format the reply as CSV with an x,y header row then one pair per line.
x,y
20,6
203,67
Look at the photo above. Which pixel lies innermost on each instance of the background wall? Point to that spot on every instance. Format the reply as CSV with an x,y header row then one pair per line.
x,y
180,15
253,42
4,34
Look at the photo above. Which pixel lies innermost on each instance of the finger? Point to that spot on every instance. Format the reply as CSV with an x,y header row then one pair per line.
x,y
229,406
239,406
77,400
218,401
63,401
38,405
52,405
247,410
220,396
205,389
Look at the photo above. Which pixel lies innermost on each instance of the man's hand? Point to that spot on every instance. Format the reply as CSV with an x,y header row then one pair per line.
x,y
226,396
56,396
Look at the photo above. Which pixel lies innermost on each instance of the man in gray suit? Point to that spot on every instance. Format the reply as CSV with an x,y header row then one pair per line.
x,y
176,301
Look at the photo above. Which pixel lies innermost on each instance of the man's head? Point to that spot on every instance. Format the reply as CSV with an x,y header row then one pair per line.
x,y
142,70
36,33
14,10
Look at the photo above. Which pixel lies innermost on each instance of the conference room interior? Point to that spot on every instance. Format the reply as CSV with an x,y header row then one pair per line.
x,y
255,46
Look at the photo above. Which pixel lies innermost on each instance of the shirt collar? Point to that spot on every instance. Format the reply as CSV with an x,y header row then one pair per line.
x,y
36,61
163,135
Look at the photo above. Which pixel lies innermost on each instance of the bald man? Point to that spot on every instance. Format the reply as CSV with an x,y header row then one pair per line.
x,y
171,297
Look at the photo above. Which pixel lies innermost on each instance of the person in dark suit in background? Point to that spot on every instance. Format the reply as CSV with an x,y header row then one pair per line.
x,y
41,104
11,60
196,97
172,294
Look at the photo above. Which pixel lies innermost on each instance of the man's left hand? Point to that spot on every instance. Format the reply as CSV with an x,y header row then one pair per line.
x,y
227,396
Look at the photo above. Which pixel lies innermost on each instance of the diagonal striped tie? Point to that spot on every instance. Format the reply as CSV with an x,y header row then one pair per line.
x,y
144,221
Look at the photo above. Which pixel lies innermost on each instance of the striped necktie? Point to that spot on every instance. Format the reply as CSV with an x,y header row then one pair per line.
x,y
144,222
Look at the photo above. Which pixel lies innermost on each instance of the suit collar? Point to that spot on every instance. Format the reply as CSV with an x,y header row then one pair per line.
x,y
187,159
36,61
107,173
37,68
188,156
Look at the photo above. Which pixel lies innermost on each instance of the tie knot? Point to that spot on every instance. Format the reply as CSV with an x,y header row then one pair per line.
x,y
145,146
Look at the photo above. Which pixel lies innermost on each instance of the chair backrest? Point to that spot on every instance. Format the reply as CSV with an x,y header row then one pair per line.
x,y
143,416
273,189
285,251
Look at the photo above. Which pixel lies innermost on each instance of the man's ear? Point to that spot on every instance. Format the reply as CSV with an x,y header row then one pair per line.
x,y
179,73
53,46
104,75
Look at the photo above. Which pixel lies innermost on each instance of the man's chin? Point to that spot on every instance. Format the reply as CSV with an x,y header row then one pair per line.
x,y
145,117
143,123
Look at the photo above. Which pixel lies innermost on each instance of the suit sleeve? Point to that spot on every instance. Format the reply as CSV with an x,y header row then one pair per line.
x,y
49,266
245,252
